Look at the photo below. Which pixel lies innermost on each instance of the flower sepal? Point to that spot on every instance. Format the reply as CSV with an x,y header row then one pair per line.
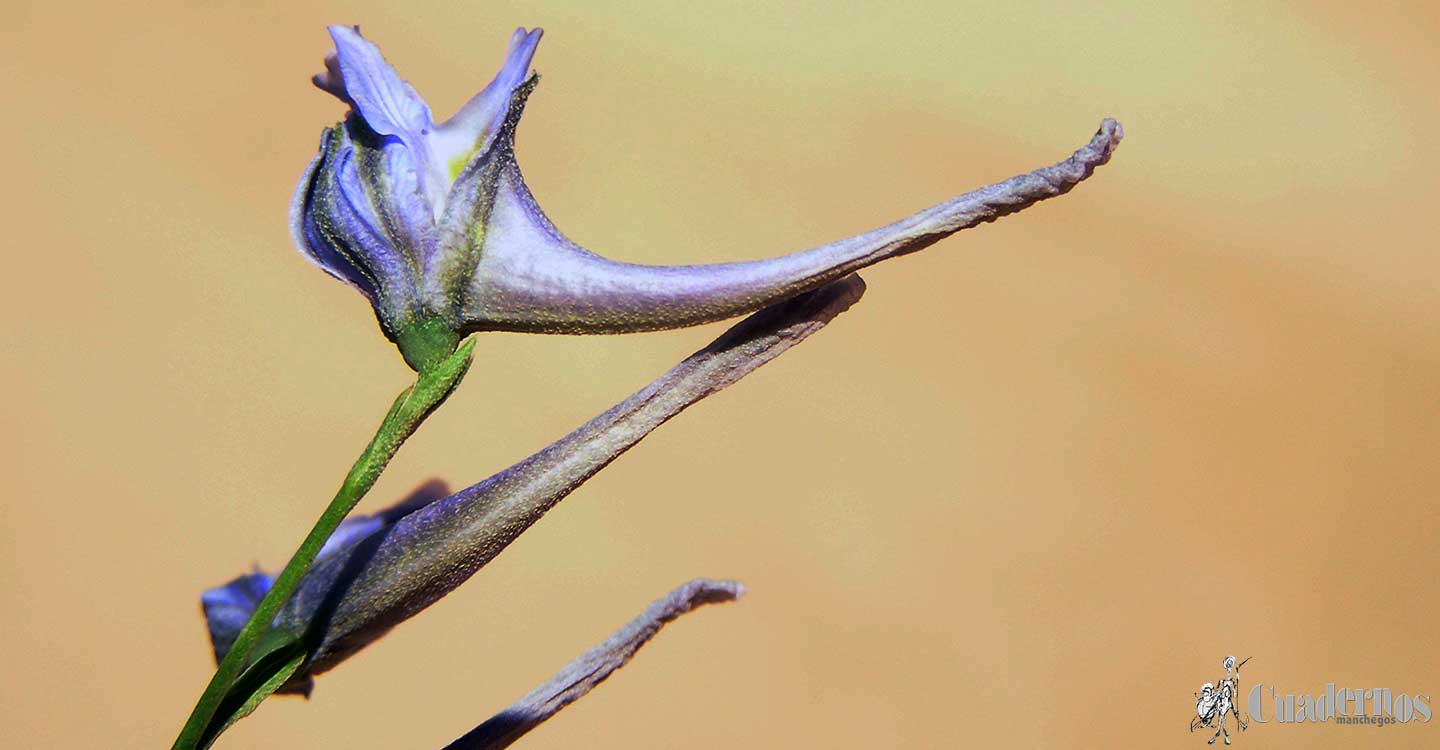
x,y
426,343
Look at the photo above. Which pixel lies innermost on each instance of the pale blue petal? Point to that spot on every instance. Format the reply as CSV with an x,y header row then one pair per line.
x,y
307,234
347,224
408,204
389,105
471,130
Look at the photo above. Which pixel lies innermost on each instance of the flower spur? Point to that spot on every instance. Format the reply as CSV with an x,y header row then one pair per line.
x,y
435,225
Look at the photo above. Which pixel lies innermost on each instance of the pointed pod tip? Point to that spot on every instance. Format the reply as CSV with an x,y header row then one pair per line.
x,y
453,367
708,591
340,32
1112,129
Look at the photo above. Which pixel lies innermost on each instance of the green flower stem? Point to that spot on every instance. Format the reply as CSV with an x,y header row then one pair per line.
x,y
411,407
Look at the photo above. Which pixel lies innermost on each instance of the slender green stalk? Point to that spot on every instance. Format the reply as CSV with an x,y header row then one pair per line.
x,y
411,407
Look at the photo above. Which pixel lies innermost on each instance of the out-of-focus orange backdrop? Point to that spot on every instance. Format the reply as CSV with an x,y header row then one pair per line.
x,y
1030,492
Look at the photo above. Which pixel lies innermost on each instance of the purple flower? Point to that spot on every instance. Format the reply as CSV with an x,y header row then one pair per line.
x,y
374,208
435,225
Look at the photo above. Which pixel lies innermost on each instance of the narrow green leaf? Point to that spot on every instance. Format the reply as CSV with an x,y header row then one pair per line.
x,y
273,666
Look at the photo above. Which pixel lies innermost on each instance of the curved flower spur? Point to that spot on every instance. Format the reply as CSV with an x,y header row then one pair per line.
x,y
434,223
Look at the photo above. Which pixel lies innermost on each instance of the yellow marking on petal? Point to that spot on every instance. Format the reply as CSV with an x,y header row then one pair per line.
x,y
458,164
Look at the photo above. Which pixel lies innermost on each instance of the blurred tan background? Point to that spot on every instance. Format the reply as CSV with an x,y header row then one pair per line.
x,y
1029,493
